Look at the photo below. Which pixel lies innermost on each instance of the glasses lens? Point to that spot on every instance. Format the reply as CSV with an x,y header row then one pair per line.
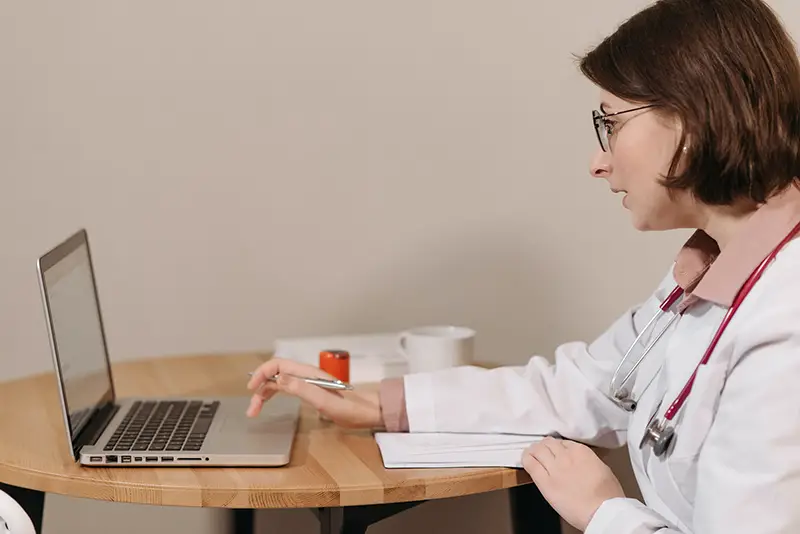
x,y
600,130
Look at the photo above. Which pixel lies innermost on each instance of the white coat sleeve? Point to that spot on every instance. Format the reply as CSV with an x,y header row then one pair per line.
x,y
568,397
748,469
624,515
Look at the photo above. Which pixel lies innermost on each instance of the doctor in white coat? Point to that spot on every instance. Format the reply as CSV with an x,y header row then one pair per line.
x,y
699,127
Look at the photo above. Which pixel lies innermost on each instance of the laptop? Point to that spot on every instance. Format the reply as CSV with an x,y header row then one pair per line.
x,y
104,430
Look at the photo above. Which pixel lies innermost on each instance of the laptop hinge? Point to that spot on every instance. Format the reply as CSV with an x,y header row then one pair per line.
x,y
94,428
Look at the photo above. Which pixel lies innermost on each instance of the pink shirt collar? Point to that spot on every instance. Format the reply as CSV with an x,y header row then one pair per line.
x,y
700,268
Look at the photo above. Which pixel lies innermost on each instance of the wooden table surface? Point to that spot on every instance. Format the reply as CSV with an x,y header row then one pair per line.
x,y
330,466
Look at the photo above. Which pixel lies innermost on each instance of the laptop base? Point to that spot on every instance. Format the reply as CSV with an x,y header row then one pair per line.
x,y
231,438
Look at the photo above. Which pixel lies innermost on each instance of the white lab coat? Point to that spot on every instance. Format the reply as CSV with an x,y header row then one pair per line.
x,y
734,466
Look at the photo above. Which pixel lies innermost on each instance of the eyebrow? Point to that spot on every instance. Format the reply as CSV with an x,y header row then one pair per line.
x,y
604,107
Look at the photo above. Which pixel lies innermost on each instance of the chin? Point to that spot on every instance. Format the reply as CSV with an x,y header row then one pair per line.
x,y
642,226
643,223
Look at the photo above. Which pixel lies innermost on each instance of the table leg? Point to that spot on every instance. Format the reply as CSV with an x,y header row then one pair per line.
x,y
32,501
243,521
530,512
357,519
330,520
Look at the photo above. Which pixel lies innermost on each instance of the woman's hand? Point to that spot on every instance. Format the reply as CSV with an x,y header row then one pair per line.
x,y
354,408
571,478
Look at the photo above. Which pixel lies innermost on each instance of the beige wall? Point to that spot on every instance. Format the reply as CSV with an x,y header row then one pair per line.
x,y
249,170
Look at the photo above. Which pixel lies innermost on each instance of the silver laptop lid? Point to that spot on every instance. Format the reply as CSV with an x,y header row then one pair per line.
x,y
77,338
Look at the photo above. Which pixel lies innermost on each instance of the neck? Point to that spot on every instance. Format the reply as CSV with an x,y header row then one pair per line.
x,y
722,223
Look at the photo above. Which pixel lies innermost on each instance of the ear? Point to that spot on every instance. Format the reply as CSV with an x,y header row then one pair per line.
x,y
684,140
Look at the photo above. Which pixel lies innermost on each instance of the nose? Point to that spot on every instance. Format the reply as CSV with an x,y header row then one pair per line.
x,y
601,164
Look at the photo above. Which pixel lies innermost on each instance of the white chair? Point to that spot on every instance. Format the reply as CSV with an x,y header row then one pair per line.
x,y
13,519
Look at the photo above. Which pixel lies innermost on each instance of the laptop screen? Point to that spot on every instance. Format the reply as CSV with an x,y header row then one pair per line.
x,y
77,331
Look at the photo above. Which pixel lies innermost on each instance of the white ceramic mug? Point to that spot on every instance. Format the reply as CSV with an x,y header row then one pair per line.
x,y
432,348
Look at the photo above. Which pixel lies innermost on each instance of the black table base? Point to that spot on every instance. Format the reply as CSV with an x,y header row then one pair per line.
x,y
530,513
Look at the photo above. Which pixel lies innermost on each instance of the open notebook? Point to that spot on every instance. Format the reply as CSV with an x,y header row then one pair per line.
x,y
426,450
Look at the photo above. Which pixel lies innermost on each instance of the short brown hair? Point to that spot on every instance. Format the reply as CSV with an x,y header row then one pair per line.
x,y
730,73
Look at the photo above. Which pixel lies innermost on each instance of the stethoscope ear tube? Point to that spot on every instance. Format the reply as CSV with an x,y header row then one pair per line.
x,y
662,434
618,392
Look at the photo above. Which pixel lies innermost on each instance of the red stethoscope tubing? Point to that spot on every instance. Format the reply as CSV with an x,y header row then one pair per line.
x,y
737,301
671,299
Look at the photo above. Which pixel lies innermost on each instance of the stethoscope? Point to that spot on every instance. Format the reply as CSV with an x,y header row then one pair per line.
x,y
661,433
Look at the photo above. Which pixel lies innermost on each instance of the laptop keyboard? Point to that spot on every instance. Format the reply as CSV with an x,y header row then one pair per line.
x,y
163,426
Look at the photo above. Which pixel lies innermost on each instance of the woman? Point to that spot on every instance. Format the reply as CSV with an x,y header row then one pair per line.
x,y
699,127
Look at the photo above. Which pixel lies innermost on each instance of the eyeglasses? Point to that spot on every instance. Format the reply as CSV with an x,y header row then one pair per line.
x,y
603,127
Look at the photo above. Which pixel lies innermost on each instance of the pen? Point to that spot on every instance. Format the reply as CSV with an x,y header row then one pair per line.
x,y
321,382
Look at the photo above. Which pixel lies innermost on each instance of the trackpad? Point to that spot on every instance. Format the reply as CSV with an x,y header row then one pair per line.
x,y
262,424
270,432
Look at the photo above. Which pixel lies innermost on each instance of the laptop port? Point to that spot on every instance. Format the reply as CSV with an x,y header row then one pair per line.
x,y
96,459
125,459
151,459
111,458
190,459
137,459
167,458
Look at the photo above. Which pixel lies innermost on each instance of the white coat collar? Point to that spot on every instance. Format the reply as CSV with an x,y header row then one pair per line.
x,y
703,272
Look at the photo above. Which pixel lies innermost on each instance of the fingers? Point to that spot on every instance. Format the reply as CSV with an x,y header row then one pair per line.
x,y
319,398
547,451
322,399
543,455
534,468
553,441
288,381
264,387
551,447
543,451
256,402
262,395
276,366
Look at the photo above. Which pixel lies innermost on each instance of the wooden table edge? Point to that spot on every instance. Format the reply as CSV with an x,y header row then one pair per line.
x,y
477,480
482,480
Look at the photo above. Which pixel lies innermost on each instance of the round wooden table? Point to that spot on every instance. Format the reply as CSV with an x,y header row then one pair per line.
x,y
330,466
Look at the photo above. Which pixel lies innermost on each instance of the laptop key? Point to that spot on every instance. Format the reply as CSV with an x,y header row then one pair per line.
x,y
164,425
201,426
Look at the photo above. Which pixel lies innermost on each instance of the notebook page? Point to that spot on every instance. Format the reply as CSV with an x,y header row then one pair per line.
x,y
421,450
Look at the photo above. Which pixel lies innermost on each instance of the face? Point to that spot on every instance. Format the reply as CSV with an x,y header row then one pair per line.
x,y
640,147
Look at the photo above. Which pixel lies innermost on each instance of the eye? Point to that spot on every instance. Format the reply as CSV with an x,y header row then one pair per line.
x,y
609,125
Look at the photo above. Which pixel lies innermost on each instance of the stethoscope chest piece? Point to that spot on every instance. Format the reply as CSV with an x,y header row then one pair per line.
x,y
660,435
